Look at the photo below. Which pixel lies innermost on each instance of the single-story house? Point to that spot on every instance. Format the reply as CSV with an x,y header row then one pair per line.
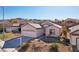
x,y
13,27
75,38
32,30
74,35
51,29
6,24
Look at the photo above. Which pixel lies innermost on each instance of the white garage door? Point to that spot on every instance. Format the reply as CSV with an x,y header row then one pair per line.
x,y
29,33
77,42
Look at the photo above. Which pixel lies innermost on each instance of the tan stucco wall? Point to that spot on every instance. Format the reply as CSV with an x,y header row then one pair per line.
x,y
57,30
73,39
40,32
31,31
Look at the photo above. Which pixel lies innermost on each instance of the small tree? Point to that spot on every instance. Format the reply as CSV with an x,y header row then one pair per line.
x,y
26,20
64,30
64,34
14,21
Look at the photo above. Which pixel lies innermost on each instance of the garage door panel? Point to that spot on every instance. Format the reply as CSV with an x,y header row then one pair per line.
x,y
29,34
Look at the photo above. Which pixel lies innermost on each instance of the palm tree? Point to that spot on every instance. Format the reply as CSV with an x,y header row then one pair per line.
x,y
64,31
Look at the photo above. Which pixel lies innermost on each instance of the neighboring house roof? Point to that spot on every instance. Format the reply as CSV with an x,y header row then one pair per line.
x,y
35,25
74,28
36,21
57,25
6,23
49,23
9,24
73,25
46,22
76,33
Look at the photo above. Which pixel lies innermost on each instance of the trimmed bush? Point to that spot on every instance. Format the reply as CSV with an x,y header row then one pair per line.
x,y
54,48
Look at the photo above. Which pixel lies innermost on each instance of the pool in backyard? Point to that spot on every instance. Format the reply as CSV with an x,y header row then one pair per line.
x,y
15,42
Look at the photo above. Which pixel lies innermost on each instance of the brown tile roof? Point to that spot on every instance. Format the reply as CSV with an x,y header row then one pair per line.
x,y
6,23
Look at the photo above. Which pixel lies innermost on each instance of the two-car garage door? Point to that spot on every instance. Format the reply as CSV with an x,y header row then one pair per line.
x,y
29,33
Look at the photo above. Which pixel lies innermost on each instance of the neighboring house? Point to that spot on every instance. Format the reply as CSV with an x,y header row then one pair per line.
x,y
5,24
9,27
13,27
74,35
75,39
51,29
32,30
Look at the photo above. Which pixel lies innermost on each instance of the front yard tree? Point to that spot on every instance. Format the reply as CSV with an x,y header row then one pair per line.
x,y
14,21
26,20
64,31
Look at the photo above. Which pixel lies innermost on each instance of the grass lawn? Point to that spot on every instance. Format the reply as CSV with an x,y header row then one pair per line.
x,y
8,36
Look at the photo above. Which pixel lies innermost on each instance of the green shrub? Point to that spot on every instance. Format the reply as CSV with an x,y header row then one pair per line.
x,y
54,48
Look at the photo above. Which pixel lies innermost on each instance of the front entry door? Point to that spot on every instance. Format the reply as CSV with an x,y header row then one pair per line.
x,y
52,32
